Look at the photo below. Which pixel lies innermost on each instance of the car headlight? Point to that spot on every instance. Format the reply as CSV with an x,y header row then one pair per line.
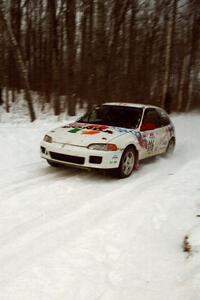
x,y
103,147
48,138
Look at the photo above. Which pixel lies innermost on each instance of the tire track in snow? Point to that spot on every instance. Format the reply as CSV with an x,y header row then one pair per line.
x,y
38,176
62,227
9,191
74,192
67,183
36,172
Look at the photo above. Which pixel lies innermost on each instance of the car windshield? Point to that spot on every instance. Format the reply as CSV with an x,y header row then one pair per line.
x,y
113,115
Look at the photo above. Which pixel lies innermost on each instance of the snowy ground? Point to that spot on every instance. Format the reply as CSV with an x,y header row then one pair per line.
x,y
78,235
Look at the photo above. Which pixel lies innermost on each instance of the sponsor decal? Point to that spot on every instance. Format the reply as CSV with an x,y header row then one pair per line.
x,y
113,161
170,129
122,130
90,132
115,156
97,127
141,139
150,145
77,127
74,130
165,137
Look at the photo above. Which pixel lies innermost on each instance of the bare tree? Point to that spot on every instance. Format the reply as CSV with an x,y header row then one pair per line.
x,y
94,51
169,43
5,19
71,54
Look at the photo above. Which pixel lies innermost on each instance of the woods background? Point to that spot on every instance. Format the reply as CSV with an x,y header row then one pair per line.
x,y
92,51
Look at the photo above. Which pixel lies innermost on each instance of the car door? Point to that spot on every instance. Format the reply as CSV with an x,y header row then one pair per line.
x,y
150,132
165,131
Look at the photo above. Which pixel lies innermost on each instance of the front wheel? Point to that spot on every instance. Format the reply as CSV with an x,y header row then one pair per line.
x,y
127,163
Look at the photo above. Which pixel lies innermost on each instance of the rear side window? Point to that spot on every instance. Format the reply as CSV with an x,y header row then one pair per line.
x,y
164,119
151,116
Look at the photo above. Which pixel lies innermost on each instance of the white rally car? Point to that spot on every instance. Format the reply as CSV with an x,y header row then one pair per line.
x,y
111,136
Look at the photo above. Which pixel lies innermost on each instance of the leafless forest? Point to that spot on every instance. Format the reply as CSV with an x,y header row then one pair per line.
x,y
92,51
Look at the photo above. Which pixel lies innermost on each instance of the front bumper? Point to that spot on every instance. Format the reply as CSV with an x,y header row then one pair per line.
x,y
80,156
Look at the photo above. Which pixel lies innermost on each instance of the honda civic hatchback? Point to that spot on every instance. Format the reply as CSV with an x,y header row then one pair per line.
x,y
111,136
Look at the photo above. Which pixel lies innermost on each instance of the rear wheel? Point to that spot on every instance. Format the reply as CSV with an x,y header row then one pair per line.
x,y
53,164
127,163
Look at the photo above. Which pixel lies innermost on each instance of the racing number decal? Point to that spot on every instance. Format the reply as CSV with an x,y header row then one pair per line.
x,y
150,145
148,142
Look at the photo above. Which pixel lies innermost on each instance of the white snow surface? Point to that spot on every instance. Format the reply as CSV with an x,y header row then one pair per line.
x,y
80,235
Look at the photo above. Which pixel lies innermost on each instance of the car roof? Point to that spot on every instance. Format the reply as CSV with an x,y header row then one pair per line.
x,y
137,105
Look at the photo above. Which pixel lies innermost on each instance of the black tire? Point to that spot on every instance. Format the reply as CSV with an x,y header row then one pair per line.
x,y
127,163
170,147
53,164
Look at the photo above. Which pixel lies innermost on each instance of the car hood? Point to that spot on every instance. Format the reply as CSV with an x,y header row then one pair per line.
x,y
81,134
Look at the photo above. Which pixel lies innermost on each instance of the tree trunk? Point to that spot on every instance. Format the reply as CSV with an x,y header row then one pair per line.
x,y
54,49
71,54
7,100
19,59
182,81
119,13
168,55
1,99
100,54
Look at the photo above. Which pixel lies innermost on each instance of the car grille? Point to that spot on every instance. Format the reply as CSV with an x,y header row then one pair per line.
x,y
68,158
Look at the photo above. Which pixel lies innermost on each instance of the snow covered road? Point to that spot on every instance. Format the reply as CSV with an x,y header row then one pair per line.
x,y
78,235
